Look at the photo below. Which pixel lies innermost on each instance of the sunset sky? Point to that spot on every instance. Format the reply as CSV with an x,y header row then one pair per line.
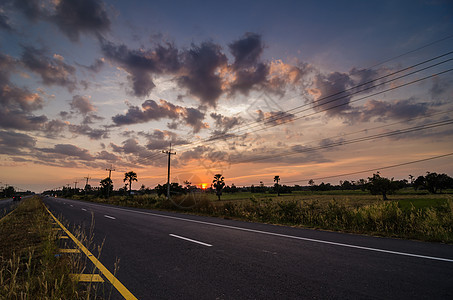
x,y
250,89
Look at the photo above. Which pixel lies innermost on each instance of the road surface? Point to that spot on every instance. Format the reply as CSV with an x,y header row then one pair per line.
x,y
167,255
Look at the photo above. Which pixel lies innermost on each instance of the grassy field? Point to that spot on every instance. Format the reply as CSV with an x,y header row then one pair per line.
x,y
408,214
30,267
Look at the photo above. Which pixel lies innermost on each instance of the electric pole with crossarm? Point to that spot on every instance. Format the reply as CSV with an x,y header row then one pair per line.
x,y
110,174
168,176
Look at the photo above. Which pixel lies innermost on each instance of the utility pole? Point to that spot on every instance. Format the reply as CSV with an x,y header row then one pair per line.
x,y
168,176
86,184
110,174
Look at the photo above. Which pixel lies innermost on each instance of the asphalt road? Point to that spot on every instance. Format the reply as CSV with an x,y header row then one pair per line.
x,y
226,259
6,206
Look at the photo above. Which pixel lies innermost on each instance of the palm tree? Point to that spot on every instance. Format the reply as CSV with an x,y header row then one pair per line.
x,y
130,176
219,183
277,179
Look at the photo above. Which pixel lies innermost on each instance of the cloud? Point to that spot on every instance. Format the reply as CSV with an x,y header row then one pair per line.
x,y
160,139
105,155
194,117
96,66
82,104
68,151
398,109
94,134
197,153
53,71
14,98
200,72
30,8
274,117
151,110
21,121
141,64
74,17
283,76
12,142
4,21
223,124
247,50
329,95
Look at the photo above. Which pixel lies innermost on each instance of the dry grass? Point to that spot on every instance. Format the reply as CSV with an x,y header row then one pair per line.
x,y
30,266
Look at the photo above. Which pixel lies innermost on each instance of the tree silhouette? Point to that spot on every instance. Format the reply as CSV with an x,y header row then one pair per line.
x,y
218,183
130,176
106,186
381,185
276,180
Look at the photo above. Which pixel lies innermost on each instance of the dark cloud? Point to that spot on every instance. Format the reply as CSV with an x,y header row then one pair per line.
x,y
194,117
30,8
203,69
223,124
274,117
399,110
249,78
82,104
135,153
53,71
365,79
96,66
7,66
197,153
142,64
247,50
4,21
13,98
74,17
12,142
68,151
92,133
161,139
250,72
91,118
105,155
201,78
226,123
54,128
150,111
16,119
329,93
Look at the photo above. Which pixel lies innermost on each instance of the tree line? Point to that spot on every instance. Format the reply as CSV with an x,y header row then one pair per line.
x,y
376,184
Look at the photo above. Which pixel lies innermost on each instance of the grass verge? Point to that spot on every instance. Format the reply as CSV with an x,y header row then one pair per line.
x,y
29,265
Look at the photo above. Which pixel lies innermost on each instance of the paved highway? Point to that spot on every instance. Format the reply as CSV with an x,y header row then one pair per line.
x,y
6,206
168,255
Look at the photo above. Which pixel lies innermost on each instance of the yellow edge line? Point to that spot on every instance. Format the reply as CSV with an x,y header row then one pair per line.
x,y
113,280
86,277
4,217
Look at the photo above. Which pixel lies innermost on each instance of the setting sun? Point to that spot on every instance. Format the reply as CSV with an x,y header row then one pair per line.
x,y
204,186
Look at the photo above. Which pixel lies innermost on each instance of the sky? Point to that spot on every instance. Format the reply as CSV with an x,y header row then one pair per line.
x,y
322,90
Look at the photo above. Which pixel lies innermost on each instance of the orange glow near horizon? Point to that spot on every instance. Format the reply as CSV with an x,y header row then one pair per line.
x,y
204,186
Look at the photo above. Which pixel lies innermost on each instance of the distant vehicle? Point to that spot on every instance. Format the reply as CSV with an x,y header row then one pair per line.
x,y
17,198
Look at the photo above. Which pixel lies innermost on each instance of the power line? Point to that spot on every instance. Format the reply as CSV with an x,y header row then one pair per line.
x,y
284,115
375,169
353,141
